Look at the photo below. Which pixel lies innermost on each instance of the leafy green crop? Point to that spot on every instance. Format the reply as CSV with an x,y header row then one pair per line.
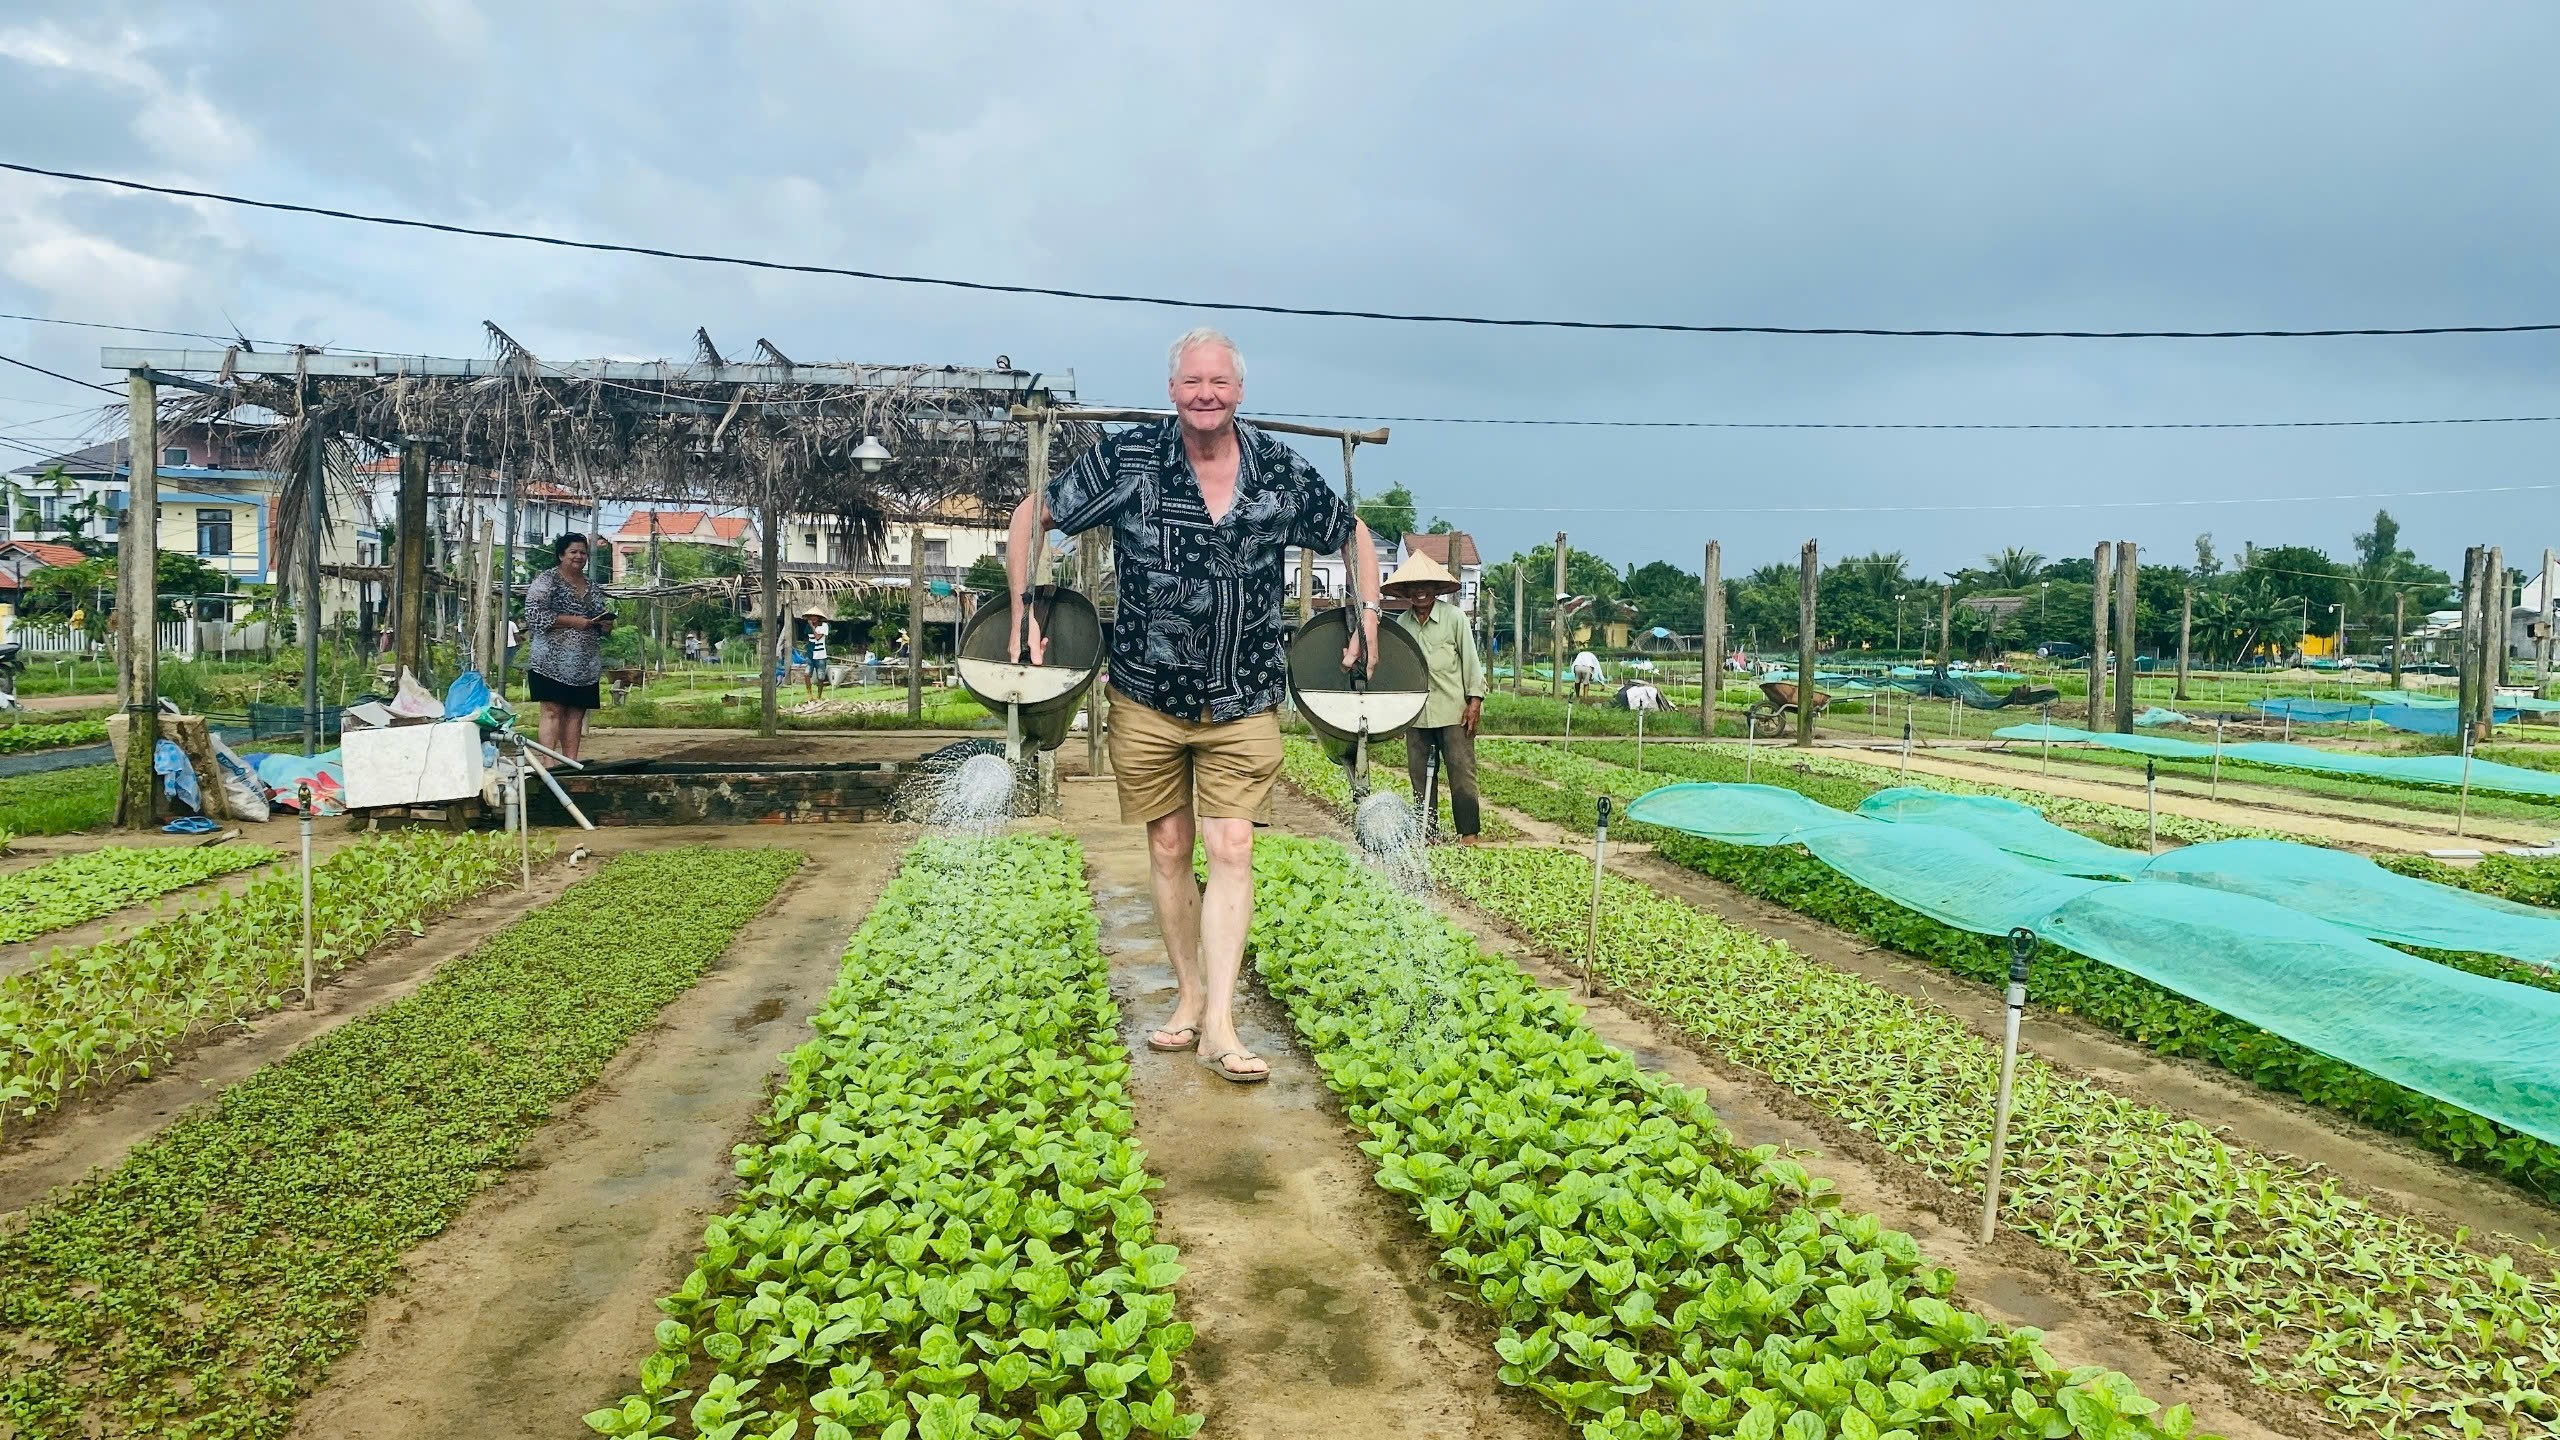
x,y
946,1232
87,1016
80,888
1304,765
2071,983
58,802
1650,1278
205,1285
18,739
2509,877
2388,1323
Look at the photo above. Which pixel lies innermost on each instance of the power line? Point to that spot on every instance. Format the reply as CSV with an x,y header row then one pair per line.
x,y
58,375
1554,421
1987,506
134,329
1167,302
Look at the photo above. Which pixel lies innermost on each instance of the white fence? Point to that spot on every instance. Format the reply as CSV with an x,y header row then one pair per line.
x,y
187,639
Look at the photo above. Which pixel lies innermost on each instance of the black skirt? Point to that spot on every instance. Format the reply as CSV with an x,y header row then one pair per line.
x,y
577,697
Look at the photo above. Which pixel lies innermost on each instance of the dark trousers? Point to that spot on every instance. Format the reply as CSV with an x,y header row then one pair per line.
x,y
1457,750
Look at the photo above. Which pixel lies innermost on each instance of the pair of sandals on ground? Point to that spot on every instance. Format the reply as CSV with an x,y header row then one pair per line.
x,y
1174,1039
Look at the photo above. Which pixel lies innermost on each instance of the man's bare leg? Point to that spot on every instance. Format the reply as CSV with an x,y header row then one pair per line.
x,y
1226,913
1169,839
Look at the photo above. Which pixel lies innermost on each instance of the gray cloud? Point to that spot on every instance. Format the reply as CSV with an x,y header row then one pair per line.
x,y
1984,165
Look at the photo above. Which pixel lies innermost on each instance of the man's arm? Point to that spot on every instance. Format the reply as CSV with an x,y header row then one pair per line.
x,y
1030,523
1471,677
1364,591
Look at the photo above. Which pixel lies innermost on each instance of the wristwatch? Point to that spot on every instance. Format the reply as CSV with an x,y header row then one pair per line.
x,y
1371,606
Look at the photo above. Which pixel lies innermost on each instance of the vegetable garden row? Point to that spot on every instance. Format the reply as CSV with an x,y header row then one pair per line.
x,y
2384,1321
205,1284
1562,788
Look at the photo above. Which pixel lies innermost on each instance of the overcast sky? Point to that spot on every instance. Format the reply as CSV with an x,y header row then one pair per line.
x,y
2154,166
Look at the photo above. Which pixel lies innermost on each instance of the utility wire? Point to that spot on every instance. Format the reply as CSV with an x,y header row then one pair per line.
x,y
1988,506
1167,302
58,375
1559,421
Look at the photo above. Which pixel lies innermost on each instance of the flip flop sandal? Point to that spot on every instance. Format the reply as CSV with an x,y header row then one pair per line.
x,y
1239,1077
1191,1040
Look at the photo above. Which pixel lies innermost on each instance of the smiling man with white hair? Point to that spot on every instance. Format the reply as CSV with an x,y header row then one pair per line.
x,y
1202,510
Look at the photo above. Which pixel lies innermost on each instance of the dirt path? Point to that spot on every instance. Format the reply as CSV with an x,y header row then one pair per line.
x,y
96,1129
537,1305
2013,1279
1316,1309
2400,1174
2337,826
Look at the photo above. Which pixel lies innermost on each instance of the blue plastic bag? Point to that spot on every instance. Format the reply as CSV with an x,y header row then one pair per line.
x,y
177,774
468,696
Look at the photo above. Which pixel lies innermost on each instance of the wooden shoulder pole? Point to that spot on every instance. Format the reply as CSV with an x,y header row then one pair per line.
x,y
138,599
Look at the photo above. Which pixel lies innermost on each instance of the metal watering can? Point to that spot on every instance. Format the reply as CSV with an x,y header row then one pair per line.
x,y
1349,710
1037,701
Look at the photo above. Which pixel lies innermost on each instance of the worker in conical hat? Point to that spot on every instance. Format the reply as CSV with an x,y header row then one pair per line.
x,y
816,616
1447,725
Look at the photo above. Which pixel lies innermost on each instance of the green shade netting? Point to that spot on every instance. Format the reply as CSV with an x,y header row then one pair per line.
x,y
2439,770
2491,1047
2345,889
2407,697
2009,826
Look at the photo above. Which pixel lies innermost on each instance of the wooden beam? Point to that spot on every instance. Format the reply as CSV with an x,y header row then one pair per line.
x,y
137,608
409,565
933,378
2399,628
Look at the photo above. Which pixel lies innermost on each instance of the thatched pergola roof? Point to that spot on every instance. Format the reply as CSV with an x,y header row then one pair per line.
x,y
775,435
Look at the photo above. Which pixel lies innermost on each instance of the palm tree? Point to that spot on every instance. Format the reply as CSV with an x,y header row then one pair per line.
x,y
2014,568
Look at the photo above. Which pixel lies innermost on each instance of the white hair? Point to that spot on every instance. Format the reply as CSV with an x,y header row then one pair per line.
x,y
1193,339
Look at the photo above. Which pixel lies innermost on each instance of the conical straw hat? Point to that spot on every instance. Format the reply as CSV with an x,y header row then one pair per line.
x,y
1421,572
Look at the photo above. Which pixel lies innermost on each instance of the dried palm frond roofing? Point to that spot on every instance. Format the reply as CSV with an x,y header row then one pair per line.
x,y
775,434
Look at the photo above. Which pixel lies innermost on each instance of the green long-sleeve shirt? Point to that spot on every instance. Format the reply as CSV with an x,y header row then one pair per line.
x,y
1457,671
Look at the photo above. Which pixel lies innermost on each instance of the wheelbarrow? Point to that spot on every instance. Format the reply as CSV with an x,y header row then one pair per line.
x,y
1778,701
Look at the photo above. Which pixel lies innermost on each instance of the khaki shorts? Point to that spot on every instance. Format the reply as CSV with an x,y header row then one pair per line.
x,y
1165,764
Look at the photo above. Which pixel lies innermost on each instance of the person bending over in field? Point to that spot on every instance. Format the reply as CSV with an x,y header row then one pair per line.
x,y
1202,510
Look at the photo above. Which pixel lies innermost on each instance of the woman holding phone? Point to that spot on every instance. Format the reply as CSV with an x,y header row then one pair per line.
x,y
568,616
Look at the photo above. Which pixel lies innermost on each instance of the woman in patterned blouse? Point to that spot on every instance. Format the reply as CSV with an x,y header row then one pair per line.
x,y
568,617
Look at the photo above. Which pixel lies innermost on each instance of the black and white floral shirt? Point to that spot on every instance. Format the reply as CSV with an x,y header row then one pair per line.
x,y
1200,629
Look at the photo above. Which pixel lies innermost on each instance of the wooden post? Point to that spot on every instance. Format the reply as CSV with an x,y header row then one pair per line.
x,y
409,573
315,521
1946,624
2494,623
769,613
2542,648
2127,571
2101,566
2399,626
915,621
2186,632
1808,572
138,605
1711,639
506,579
1555,656
1519,622
2466,660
